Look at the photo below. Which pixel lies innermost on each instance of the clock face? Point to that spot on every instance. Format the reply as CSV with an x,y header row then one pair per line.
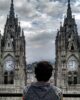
x,y
9,65
72,64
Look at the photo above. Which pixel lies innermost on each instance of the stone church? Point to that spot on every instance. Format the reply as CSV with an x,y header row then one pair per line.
x,y
12,56
67,65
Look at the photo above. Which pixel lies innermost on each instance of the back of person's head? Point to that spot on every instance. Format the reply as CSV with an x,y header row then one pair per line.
x,y
43,71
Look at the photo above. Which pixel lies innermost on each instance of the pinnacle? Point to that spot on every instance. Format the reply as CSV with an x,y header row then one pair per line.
x,y
68,1
69,12
11,10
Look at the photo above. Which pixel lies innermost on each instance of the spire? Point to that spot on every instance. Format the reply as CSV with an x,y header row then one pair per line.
x,y
69,12
11,15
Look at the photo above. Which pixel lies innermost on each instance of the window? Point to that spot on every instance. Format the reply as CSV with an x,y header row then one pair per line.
x,y
75,79
9,78
6,78
75,73
69,73
70,80
11,81
72,47
8,44
70,26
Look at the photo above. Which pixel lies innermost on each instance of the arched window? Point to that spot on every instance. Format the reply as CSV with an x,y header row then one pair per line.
x,y
5,77
72,78
8,44
72,47
69,73
75,79
11,77
75,73
69,80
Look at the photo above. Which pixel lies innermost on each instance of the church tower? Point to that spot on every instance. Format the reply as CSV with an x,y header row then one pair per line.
x,y
67,63
12,56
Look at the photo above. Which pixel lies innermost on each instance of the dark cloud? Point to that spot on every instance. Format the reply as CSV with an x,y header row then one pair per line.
x,y
43,37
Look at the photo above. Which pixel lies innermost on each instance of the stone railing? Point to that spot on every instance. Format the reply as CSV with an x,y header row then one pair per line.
x,y
10,89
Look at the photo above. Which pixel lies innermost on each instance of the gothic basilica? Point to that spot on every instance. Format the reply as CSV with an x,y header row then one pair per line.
x,y
67,63
13,60
12,56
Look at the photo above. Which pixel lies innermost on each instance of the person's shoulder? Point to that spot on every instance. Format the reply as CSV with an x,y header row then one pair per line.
x,y
26,88
58,91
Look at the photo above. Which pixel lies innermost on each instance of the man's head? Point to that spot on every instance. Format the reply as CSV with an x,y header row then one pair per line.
x,y
43,71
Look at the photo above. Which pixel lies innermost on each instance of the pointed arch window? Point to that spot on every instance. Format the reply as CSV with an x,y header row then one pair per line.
x,y
75,79
8,44
69,80
69,73
11,77
72,78
72,47
5,77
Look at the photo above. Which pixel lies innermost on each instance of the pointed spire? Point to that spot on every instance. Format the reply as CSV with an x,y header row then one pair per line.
x,y
60,24
22,32
11,10
69,12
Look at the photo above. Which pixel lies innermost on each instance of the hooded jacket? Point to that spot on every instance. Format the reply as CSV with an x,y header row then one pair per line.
x,y
42,91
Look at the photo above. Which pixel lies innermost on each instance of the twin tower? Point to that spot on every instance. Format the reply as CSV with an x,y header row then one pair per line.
x,y
12,56
67,65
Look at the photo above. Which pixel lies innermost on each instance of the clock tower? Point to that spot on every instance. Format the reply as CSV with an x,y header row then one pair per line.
x,y
12,56
67,65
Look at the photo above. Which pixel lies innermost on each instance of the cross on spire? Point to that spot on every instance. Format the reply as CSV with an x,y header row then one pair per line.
x,y
69,12
11,15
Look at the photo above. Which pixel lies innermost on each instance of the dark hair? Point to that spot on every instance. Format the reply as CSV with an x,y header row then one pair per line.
x,y
43,71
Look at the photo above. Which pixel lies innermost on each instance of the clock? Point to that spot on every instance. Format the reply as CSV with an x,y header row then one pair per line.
x,y
72,65
9,65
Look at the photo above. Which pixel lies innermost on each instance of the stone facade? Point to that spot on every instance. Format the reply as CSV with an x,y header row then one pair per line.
x,y
67,63
12,56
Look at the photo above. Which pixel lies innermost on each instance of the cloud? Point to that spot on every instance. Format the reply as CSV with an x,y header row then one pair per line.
x,y
40,20
43,37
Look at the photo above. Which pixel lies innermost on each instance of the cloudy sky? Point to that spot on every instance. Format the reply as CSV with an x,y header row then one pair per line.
x,y
40,20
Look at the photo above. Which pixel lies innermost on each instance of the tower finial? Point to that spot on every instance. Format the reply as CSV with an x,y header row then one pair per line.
x,y
69,12
12,9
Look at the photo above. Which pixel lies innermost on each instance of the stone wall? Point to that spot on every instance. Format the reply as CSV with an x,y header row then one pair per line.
x,y
10,98
71,98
